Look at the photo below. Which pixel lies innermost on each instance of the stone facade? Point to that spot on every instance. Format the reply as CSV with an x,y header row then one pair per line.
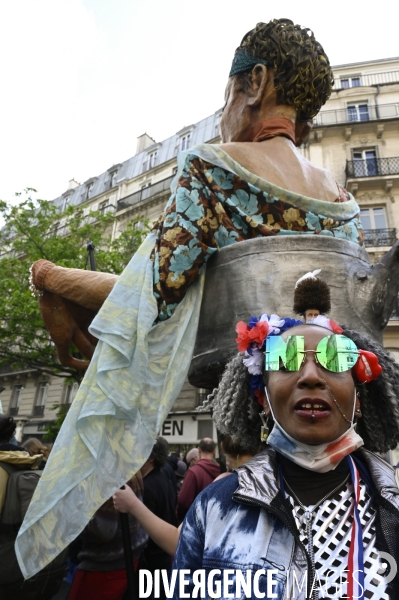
x,y
355,136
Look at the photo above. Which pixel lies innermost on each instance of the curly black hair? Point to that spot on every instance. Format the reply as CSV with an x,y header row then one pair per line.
x,y
303,76
236,411
379,425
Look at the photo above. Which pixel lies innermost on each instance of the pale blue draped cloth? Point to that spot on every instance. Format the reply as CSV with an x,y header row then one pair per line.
x,y
136,373
135,376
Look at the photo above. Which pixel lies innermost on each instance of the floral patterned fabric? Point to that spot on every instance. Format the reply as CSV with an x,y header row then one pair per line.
x,y
213,207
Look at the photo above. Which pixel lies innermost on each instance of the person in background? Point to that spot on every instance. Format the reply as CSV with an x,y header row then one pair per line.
x,y
180,474
21,469
164,534
198,476
101,566
170,469
192,457
35,446
159,497
236,453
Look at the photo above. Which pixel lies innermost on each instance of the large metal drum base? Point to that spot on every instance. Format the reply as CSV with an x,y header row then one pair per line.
x,y
258,276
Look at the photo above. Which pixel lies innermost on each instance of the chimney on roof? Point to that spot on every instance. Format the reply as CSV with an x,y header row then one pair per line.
x,y
72,184
144,141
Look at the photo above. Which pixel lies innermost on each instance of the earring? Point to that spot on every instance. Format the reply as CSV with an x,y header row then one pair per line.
x,y
264,430
358,411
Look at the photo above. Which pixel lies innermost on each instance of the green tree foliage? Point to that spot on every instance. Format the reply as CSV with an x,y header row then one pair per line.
x,y
35,229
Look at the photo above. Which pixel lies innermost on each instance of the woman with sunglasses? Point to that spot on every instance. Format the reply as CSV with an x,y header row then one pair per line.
x,y
317,506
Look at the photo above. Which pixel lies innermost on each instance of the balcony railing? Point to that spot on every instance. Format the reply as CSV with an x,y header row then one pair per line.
x,y
366,80
349,115
38,411
13,411
372,167
109,208
145,193
379,237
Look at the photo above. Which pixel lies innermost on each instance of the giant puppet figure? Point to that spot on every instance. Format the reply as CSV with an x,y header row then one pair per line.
x,y
255,188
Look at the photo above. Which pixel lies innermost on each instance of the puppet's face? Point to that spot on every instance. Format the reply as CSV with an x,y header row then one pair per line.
x,y
311,313
236,116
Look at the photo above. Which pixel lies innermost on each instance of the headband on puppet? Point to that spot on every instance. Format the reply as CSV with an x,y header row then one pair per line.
x,y
312,295
244,61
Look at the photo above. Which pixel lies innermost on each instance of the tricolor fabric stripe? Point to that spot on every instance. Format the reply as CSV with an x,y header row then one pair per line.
x,y
355,560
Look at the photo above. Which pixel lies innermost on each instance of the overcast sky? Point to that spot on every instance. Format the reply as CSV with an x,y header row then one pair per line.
x,y
81,79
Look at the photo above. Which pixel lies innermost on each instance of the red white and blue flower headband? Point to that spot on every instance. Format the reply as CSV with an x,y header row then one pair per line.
x,y
251,339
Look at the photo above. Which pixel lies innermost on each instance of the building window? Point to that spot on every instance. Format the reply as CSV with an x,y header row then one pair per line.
x,y
152,160
373,218
358,112
105,207
139,226
38,409
203,394
41,393
70,392
185,142
89,189
112,179
350,82
16,396
65,203
365,163
205,429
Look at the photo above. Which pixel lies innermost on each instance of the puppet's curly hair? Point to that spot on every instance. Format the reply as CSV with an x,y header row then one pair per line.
x,y
302,73
312,293
236,411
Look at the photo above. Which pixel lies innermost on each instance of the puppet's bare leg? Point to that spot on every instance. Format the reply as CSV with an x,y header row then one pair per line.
x,y
85,288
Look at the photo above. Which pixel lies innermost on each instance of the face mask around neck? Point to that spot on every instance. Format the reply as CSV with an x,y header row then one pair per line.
x,y
319,458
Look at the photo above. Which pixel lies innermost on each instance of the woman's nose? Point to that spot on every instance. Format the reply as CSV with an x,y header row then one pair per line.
x,y
310,374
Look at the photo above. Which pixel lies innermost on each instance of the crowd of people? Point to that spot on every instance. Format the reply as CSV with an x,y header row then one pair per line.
x,y
157,498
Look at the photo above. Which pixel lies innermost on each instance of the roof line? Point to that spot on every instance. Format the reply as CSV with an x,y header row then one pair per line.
x,y
365,62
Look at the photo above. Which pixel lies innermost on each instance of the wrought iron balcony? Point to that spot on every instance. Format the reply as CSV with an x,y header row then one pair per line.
x,y
344,82
351,114
145,193
379,237
38,411
13,411
372,167
107,209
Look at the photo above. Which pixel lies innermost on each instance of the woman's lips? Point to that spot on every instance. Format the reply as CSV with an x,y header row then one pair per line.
x,y
312,409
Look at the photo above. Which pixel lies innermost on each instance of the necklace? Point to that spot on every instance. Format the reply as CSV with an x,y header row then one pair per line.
x,y
306,508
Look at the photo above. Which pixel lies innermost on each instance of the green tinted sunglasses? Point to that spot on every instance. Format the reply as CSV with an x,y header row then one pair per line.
x,y
336,353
